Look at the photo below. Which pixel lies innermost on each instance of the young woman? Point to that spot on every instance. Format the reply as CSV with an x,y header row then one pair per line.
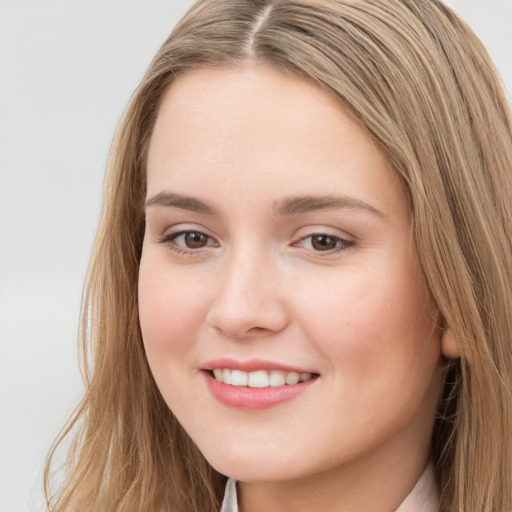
x,y
302,275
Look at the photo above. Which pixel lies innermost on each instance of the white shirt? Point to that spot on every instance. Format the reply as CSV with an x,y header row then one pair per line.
x,y
423,498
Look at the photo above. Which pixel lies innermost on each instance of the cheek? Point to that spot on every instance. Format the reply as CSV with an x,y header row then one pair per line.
x,y
171,307
371,320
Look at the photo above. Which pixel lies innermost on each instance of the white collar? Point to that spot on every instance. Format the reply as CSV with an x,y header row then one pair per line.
x,y
423,498
425,495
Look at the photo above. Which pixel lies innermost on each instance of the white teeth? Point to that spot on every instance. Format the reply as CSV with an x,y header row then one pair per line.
x,y
292,378
277,378
238,378
260,378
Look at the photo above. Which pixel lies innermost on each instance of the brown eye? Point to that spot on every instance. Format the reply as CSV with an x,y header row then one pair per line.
x,y
324,242
188,241
195,240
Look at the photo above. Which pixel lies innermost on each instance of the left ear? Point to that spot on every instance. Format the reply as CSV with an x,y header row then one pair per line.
x,y
449,346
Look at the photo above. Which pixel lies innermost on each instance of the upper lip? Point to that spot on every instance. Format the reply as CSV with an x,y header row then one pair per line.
x,y
252,365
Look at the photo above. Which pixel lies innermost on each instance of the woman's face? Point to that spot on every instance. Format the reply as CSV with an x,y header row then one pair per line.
x,y
278,248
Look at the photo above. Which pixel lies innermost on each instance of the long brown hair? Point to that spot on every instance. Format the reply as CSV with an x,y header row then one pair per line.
x,y
422,85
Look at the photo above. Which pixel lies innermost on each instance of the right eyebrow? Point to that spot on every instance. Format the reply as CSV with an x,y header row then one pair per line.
x,y
169,199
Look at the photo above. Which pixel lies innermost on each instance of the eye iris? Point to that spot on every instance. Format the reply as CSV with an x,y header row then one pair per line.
x,y
195,240
323,242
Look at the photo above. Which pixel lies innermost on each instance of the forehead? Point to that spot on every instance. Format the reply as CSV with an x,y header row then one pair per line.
x,y
258,129
242,101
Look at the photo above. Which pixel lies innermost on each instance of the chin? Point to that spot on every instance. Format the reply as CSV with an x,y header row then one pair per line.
x,y
245,471
250,465
273,469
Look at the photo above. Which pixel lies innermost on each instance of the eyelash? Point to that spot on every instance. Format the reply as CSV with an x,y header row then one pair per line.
x,y
341,244
170,241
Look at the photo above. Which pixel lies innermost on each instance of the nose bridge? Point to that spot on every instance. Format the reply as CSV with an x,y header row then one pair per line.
x,y
247,300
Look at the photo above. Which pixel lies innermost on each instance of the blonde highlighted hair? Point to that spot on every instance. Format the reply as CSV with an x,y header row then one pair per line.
x,y
422,85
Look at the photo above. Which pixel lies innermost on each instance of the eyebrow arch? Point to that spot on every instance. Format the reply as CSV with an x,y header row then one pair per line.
x,y
288,206
183,202
304,204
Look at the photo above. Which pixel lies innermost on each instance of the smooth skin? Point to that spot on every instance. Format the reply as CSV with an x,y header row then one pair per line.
x,y
277,230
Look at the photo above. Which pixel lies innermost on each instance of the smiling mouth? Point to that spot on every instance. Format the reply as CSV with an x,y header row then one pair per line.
x,y
259,378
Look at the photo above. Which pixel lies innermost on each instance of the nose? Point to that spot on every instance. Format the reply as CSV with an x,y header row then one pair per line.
x,y
247,300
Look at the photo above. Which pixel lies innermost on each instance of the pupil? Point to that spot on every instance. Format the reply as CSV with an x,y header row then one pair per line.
x,y
195,240
323,242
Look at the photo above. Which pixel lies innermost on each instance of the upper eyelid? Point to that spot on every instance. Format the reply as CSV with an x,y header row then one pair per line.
x,y
330,235
177,229
174,234
342,239
319,232
327,231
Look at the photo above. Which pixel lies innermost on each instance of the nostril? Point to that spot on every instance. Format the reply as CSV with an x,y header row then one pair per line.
x,y
256,330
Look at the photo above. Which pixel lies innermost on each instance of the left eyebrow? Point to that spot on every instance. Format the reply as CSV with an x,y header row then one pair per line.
x,y
305,204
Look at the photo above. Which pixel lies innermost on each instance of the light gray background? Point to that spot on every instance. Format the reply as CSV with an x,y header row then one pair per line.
x,y
67,69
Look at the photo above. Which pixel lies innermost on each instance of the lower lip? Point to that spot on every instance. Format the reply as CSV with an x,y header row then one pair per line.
x,y
254,398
